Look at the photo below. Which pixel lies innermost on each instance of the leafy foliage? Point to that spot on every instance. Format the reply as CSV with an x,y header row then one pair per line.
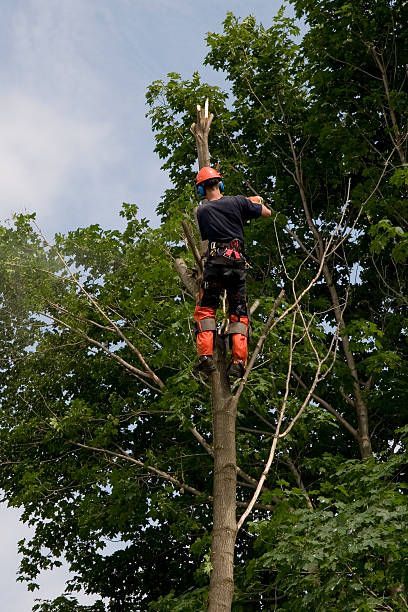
x,y
101,456
349,554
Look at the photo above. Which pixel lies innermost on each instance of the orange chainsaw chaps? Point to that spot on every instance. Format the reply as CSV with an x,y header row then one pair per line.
x,y
204,339
239,342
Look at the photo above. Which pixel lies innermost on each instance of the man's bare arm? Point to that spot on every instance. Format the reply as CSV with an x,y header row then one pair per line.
x,y
266,212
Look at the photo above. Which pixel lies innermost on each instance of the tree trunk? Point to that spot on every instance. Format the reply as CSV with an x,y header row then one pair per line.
x,y
224,490
224,444
359,403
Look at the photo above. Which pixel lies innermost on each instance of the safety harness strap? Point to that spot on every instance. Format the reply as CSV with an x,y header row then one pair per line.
x,y
236,327
226,250
206,325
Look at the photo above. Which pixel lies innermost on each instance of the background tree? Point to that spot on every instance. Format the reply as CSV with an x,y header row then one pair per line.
x,y
105,433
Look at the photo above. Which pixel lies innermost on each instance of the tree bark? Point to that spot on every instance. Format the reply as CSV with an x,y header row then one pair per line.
x,y
359,402
224,490
201,130
224,444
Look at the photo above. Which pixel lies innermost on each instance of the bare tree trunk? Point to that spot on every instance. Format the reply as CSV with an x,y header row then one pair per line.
x,y
224,492
359,403
224,444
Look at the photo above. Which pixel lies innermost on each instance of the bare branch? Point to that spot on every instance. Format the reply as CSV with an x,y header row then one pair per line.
x,y
182,486
349,400
398,294
259,432
202,441
329,408
186,277
275,438
153,470
260,343
251,481
261,417
140,374
299,481
398,140
336,59
192,245
254,307
99,309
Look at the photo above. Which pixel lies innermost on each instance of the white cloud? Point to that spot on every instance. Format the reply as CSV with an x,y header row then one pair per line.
x,y
55,45
183,7
14,595
40,150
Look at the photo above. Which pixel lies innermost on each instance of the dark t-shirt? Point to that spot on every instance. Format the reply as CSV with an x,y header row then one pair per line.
x,y
223,220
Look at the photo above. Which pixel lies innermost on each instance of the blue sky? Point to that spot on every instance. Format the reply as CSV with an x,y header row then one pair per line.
x,y
75,142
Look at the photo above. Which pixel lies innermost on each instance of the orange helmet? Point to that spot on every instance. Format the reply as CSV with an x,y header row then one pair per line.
x,y
207,173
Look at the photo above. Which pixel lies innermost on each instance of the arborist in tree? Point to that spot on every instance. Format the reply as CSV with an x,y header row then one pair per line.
x,y
221,221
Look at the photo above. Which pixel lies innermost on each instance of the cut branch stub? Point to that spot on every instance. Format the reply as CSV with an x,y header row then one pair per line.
x,y
186,276
200,130
191,243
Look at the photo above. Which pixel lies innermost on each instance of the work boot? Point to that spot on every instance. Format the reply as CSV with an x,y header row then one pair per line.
x,y
236,369
205,365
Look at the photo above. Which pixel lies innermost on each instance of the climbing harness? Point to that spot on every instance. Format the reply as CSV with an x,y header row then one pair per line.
x,y
219,252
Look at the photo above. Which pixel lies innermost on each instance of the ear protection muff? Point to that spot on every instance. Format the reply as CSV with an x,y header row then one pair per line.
x,y
201,191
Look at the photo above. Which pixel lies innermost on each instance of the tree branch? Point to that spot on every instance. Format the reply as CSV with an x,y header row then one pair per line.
x,y
398,140
140,374
275,438
299,481
200,130
192,245
251,481
259,345
186,277
126,457
96,305
157,472
329,408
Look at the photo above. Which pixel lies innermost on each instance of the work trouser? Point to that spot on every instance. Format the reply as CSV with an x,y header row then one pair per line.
x,y
216,278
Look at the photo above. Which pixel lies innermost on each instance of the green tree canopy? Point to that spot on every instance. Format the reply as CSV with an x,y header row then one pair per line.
x,y
105,431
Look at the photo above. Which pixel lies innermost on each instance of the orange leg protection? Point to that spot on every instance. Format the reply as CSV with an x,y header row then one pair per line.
x,y
204,339
239,348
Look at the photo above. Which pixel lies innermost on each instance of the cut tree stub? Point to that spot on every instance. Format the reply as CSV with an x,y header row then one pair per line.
x,y
200,130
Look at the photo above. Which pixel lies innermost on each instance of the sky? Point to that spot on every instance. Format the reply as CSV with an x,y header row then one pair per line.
x,y
75,142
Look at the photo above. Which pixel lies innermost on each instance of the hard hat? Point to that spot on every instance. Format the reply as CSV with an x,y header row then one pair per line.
x,y
207,173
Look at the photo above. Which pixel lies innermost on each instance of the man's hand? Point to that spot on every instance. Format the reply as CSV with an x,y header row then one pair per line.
x,y
256,199
266,212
